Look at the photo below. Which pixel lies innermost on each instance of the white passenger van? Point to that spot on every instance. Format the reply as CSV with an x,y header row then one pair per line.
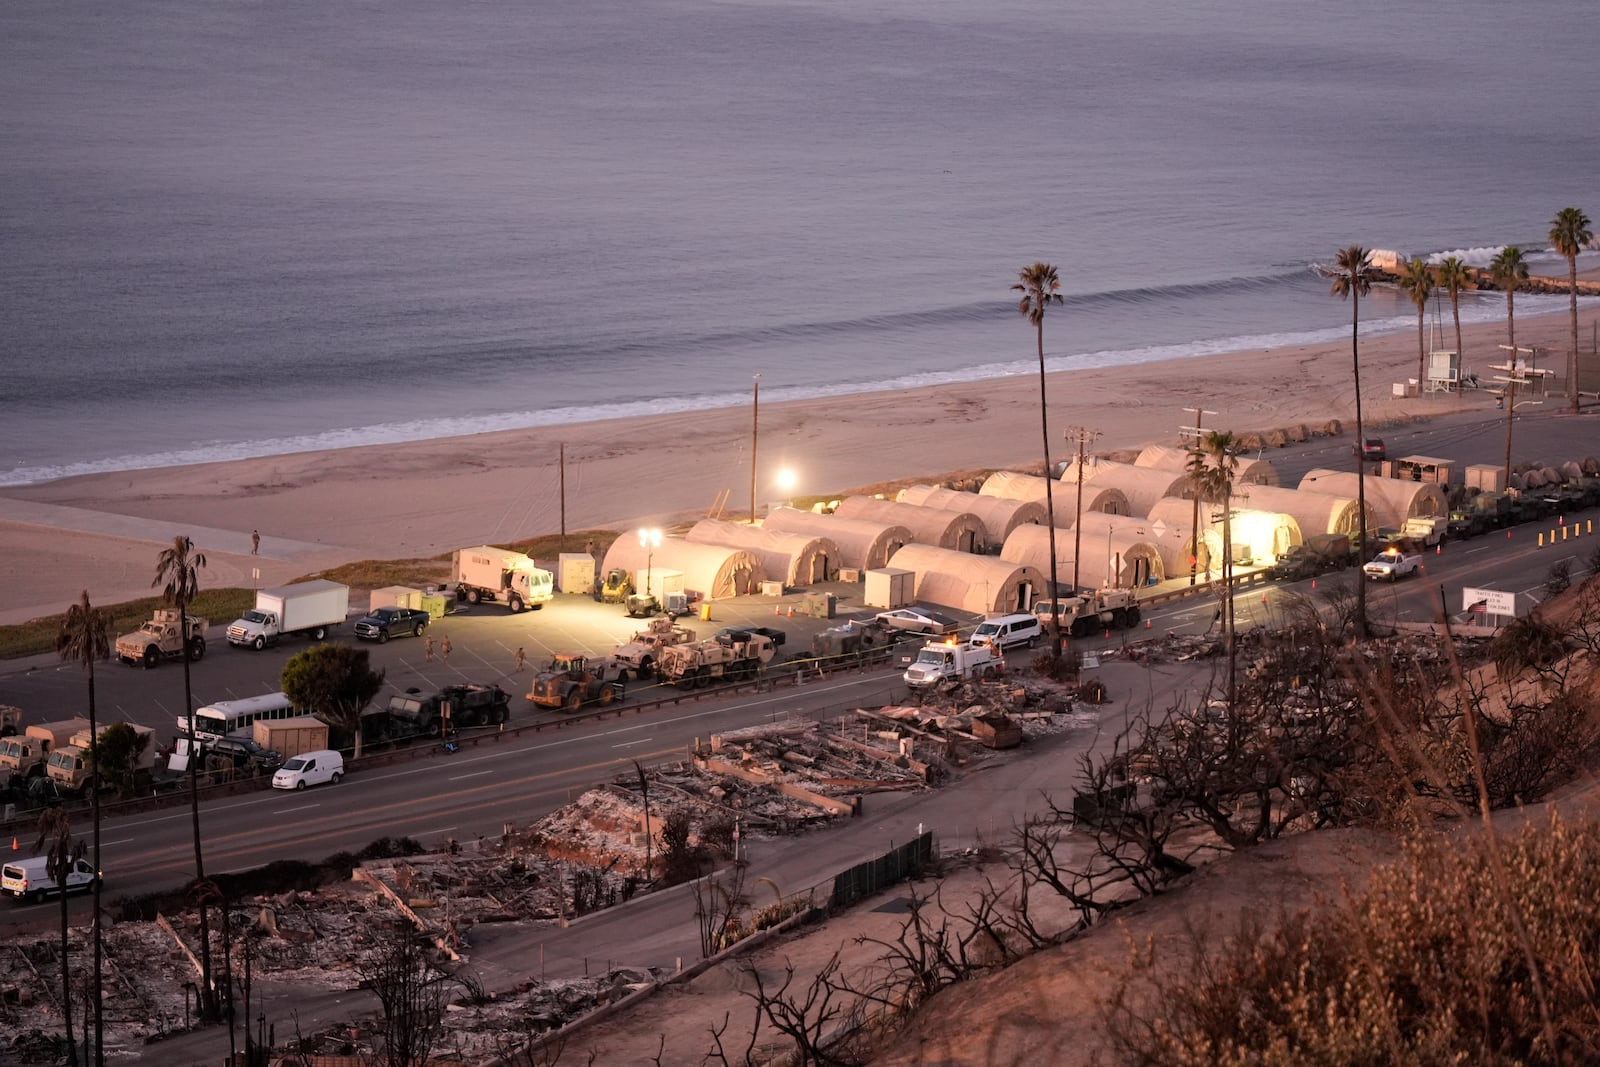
x,y
1008,631
24,878
310,768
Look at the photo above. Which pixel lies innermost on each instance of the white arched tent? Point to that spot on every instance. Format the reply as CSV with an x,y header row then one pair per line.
x,y
712,571
1390,501
863,545
1013,486
1142,486
961,580
1117,550
1176,542
1000,514
1314,513
960,531
795,559
1166,457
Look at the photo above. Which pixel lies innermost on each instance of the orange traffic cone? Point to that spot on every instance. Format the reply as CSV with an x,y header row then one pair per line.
x,y
1438,550
14,846
791,611
1147,624
777,609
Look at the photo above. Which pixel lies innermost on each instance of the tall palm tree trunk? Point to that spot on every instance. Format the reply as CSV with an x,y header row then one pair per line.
x,y
1572,360
66,972
208,995
1049,508
98,1056
1361,465
1455,313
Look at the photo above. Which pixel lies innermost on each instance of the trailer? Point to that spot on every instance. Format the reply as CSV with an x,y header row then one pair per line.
x,y
290,737
499,574
309,608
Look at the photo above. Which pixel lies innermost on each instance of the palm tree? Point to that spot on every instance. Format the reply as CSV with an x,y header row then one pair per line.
x,y
85,637
178,574
1212,465
1416,281
1040,286
55,831
1569,233
1352,275
1452,275
1510,269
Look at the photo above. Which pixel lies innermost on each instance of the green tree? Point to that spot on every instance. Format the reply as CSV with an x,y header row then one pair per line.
x,y
1416,281
1453,276
1212,465
114,754
178,576
84,637
1352,276
1510,269
336,682
1569,234
61,852
1040,287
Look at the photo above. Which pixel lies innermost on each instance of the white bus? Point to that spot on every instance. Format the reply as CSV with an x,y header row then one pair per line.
x,y
237,718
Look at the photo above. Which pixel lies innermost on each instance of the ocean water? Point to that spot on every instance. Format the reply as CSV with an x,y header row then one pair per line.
x,y
234,228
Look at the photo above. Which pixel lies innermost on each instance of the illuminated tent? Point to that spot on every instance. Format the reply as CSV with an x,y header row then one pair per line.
x,y
1141,486
863,545
1390,501
1000,514
712,571
1013,486
795,559
1176,542
958,530
961,580
1117,550
1166,457
1314,513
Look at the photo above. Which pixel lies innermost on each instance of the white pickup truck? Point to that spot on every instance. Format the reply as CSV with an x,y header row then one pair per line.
x,y
1393,565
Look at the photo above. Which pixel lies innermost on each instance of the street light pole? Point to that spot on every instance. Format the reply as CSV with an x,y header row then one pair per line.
x,y
649,540
1513,377
755,439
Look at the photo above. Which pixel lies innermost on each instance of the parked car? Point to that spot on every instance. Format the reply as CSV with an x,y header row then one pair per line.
x,y
1372,449
917,620
310,768
247,756
392,622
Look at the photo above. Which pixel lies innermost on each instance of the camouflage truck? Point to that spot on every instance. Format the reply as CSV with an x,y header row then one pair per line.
x,y
572,680
640,654
731,656
465,705
159,639
72,766
1082,615
1318,554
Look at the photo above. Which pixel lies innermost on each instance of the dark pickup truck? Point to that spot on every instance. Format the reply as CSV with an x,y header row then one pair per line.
x,y
392,622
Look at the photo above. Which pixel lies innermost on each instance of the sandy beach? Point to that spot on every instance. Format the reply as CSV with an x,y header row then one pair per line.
x,y
316,509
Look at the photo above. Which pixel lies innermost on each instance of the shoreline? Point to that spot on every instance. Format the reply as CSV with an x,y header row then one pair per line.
x,y
316,509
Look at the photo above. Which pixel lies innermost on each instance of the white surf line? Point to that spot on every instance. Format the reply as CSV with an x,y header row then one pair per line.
x,y
474,774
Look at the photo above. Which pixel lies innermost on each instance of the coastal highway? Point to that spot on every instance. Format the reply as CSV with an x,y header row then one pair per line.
x,y
473,792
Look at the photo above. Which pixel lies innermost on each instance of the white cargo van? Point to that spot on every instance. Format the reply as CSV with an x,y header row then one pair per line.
x,y
1008,631
310,768
31,877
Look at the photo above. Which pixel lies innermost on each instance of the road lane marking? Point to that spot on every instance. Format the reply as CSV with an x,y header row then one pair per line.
x,y
630,744
474,774
446,830
302,807
118,841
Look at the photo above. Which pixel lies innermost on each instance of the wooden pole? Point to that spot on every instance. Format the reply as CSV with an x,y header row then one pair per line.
x,y
563,496
755,439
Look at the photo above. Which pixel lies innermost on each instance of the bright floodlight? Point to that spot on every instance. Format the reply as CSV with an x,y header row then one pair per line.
x,y
649,537
787,479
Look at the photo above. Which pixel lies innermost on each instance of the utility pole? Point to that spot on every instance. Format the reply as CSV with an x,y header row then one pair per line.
x,y
563,464
1514,376
1194,487
755,439
1083,435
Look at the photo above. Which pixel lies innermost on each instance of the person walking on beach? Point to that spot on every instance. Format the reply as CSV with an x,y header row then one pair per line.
x,y
519,659
444,649
427,649
255,542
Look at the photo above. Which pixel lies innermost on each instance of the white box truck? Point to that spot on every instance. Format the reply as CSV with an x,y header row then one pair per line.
x,y
489,573
311,608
